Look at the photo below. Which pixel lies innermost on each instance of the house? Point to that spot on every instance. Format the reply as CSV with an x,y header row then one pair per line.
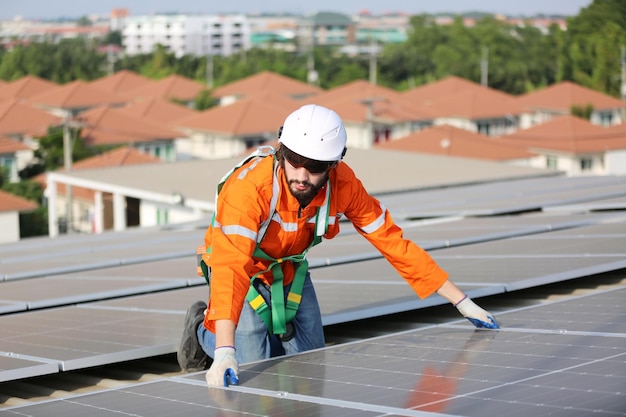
x,y
20,125
467,105
70,99
574,145
114,126
262,82
226,131
10,207
164,112
173,87
92,211
559,99
373,113
14,156
451,141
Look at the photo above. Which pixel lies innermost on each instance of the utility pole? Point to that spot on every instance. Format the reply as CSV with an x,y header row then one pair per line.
x,y
373,62
67,162
209,69
484,67
209,58
623,86
311,75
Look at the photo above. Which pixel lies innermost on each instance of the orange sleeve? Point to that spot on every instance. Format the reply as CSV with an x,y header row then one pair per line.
x,y
375,223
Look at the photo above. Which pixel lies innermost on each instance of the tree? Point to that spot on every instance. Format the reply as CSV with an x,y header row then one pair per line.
x,y
34,223
204,100
596,37
50,154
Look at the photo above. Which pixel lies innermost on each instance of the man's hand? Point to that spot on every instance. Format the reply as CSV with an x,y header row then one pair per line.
x,y
225,369
479,317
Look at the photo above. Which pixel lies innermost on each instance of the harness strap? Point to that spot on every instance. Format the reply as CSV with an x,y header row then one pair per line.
x,y
281,312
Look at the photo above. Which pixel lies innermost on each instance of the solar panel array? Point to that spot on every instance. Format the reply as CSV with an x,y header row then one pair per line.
x,y
564,358
82,301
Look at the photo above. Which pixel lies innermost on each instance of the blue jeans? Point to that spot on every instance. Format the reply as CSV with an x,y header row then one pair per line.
x,y
252,340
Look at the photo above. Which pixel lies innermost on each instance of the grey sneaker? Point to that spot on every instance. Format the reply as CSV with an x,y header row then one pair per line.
x,y
190,355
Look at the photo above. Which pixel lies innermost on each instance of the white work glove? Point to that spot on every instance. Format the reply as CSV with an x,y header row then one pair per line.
x,y
225,369
478,316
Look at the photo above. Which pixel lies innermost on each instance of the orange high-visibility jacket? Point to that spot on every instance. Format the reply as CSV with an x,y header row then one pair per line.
x,y
244,203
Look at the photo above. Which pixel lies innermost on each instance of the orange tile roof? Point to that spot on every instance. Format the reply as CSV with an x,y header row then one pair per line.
x,y
122,81
111,126
124,155
425,94
77,94
568,134
26,87
360,89
10,146
12,202
264,81
452,141
158,109
475,103
564,95
22,119
349,101
244,117
172,87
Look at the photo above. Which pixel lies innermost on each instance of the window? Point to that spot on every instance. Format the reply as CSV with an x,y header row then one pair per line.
x,y
552,162
162,216
483,128
606,119
586,164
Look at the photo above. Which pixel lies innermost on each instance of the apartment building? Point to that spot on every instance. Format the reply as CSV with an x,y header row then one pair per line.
x,y
184,34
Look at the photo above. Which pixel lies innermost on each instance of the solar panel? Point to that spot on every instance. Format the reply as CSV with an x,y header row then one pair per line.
x,y
74,337
452,232
566,368
618,203
503,197
71,253
100,284
13,367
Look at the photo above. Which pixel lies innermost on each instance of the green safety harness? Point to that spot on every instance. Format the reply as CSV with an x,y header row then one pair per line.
x,y
280,313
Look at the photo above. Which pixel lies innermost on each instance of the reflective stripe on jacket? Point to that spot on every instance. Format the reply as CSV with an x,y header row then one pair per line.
x,y
244,203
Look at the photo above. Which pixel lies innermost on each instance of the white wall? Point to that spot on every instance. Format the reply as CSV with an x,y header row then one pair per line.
x,y
10,226
152,214
615,162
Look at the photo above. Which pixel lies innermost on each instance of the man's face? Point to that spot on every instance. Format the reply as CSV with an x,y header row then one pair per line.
x,y
303,184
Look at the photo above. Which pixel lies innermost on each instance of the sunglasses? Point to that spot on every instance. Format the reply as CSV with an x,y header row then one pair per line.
x,y
311,165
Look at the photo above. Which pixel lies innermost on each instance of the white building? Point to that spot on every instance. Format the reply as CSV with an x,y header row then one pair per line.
x,y
186,34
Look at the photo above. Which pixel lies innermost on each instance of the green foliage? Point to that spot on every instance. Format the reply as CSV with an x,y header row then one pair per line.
x,y
596,36
50,154
83,21
204,100
114,37
584,112
30,190
62,62
34,223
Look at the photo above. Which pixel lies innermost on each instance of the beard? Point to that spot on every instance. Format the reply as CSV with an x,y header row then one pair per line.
x,y
305,196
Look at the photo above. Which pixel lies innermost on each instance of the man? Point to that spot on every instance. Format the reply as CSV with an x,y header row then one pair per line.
x,y
270,211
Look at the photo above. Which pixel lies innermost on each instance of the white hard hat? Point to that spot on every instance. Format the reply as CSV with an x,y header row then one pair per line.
x,y
314,132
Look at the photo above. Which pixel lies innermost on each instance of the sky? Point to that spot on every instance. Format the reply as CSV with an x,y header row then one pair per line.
x,y
51,9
